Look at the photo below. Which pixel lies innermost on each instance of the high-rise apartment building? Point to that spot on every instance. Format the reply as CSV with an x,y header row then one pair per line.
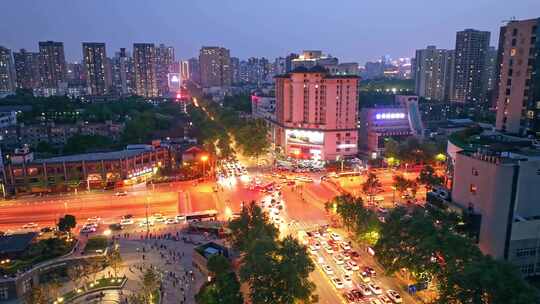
x,y
185,70
280,66
164,61
194,70
95,66
433,73
215,66
144,59
316,114
490,75
289,62
518,85
52,64
469,66
27,69
122,73
7,74
235,70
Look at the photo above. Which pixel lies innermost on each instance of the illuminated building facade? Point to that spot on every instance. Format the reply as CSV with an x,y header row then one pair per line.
x,y
398,122
215,67
316,114
144,59
95,59
52,66
518,91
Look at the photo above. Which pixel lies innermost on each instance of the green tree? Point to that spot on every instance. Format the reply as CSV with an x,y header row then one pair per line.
x,y
115,261
276,271
218,264
429,178
86,143
66,223
252,224
391,148
37,295
372,185
358,219
149,284
224,288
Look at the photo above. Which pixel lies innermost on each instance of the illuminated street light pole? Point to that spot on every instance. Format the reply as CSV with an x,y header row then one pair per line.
x,y
204,159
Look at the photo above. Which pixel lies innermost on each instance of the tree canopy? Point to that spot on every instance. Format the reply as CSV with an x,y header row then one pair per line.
x,y
277,270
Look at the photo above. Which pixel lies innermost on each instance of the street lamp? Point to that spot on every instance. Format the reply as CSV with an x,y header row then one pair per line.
x,y
394,195
204,159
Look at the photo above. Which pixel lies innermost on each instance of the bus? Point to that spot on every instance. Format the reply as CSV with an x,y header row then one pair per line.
x,y
206,215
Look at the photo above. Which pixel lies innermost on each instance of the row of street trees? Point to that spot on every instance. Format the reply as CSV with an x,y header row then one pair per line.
x,y
411,151
276,270
250,135
426,245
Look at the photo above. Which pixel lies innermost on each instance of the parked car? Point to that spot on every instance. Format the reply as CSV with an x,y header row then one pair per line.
x,y
394,296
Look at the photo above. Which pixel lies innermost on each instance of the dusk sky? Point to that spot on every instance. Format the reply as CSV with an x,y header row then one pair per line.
x,y
353,30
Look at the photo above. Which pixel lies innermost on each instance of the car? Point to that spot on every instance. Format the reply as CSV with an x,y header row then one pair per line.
x,y
180,218
121,193
385,300
331,243
327,269
328,249
125,222
345,246
378,199
338,259
88,229
312,249
394,296
337,282
374,288
47,229
382,210
353,265
349,297
91,225
145,223
127,216
370,271
170,221
346,256
364,289
94,219
158,218
347,279
358,295
354,255
30,226
347,269
335,236
364,276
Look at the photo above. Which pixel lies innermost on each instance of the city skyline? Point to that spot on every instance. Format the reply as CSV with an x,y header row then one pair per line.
x,y
119,26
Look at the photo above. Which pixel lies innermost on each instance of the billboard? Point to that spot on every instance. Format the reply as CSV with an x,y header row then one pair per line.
x,y
174,81
304,137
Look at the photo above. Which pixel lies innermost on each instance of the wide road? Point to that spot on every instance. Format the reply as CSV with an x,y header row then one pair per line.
x,y
168,199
